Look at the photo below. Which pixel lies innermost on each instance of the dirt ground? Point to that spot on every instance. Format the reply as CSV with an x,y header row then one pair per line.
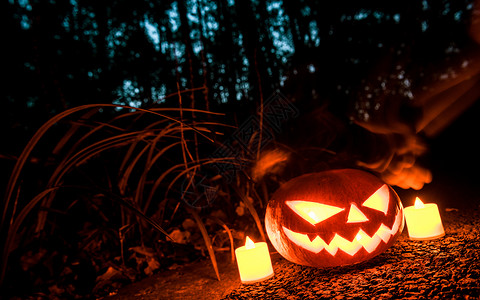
x,y
448,267
196,280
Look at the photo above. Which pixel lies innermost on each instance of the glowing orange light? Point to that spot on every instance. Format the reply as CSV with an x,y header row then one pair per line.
x,y
418,203
355,215
379,200
358,237
313,212
333,218
249,244
423,221
361,240
254,263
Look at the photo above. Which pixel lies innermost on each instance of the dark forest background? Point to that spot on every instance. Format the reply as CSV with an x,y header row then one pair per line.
x,y
60,54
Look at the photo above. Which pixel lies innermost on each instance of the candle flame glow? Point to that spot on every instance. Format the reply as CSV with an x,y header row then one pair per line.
x,y
249,244
418,203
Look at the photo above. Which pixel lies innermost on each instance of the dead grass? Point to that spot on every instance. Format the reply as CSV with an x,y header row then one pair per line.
x,y
154,150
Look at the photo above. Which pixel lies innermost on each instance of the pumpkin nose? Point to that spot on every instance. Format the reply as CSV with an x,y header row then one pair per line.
x,y
355,215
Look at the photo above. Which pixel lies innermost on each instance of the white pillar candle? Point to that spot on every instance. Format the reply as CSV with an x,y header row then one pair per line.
x,y
254,263
423,221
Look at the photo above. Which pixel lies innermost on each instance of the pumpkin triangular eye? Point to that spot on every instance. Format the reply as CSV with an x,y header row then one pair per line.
x,y
379,200
313,212
355,215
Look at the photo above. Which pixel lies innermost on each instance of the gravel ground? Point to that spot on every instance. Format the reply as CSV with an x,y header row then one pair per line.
x,y
445,268
448,267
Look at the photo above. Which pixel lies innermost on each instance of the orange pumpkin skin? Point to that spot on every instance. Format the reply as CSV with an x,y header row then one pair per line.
x,y
350,231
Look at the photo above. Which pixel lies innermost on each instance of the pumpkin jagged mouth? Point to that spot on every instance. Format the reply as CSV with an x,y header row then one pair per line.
x,y
361,240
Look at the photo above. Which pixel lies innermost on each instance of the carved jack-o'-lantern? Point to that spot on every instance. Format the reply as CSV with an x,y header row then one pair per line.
x,y
333,218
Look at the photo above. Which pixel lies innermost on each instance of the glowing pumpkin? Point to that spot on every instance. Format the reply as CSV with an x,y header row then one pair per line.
x,y
333,218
